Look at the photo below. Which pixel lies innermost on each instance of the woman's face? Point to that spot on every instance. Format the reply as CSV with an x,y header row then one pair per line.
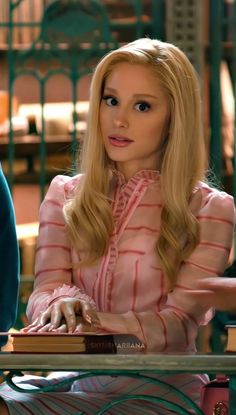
x,y
134,118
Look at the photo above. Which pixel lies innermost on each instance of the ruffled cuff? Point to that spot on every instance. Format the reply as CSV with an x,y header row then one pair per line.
x,y
72,292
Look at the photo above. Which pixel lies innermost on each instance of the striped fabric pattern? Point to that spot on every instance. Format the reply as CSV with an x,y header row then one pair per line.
x,y
164,321
128,285
88,403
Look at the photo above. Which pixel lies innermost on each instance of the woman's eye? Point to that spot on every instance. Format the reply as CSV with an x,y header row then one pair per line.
x,y
110,101
142,106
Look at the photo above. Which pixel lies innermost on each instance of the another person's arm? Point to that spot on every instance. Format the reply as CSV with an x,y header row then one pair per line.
x,y
9,269
219,293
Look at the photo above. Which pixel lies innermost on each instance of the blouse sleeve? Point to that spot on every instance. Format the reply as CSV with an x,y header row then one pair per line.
x,y
175,326
53,264
9,270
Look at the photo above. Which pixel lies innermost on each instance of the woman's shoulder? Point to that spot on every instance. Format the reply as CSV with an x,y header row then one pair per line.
x,y
212,193
64,185
216,202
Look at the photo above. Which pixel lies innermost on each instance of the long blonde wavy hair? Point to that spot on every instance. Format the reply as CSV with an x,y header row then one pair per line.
x,y
88,215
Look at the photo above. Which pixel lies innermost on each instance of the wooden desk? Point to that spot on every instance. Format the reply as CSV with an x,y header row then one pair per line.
x,y
131,364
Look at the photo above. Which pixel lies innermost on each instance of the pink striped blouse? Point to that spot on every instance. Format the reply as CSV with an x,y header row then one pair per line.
x,y
128,285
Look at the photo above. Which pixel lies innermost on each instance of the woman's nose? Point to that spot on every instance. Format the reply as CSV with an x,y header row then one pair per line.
x,y
121,120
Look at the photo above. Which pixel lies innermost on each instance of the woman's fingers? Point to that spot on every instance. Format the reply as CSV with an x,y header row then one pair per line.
x,y
61,329
32,328
44,328
68,311
85,309
45,317
27,328
65,309
62,315
56,316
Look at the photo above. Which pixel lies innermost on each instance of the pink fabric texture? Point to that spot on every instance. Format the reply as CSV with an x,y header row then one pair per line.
x,y
128,285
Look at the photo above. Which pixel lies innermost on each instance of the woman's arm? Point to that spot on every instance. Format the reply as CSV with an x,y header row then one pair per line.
x,y
55,294
9,258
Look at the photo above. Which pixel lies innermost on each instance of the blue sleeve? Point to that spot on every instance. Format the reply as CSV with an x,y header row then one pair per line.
x,y
9,260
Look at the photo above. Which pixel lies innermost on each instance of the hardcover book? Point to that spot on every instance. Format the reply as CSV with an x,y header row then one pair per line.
x,y
75,343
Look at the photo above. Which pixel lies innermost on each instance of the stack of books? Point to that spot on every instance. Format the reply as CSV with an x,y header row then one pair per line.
x,y
74,343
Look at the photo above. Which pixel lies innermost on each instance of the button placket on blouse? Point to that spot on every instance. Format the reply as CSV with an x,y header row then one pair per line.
x,y
128,195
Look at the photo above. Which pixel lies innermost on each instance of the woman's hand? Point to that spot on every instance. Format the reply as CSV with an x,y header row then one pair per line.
x,y
62,313
82,326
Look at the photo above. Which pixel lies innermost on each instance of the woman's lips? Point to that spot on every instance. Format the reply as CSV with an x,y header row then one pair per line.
x,y
119,141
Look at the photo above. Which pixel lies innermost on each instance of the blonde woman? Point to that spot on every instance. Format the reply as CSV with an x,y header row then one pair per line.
x,y
124,243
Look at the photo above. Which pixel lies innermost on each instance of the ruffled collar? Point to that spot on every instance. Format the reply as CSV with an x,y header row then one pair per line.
x,y
149,176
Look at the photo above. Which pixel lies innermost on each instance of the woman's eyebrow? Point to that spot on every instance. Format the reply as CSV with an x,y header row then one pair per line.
x,y
139,95
108,89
